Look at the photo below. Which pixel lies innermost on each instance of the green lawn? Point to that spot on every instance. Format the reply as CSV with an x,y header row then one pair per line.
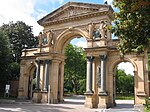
x,y
125,97
146,110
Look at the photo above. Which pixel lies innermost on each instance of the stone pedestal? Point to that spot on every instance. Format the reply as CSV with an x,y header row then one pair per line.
x,y
103,42
37,96
44,97
89,101
20,93
139,107
140,98
102,100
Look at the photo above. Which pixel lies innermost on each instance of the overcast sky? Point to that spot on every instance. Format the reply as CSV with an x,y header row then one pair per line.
x,y
30,11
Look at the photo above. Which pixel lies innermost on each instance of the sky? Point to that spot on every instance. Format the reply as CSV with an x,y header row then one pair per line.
x,y
30,11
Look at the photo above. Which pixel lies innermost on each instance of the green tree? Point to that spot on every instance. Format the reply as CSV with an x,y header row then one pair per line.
x,y
75,69
20,37
4,59
132,25
124,82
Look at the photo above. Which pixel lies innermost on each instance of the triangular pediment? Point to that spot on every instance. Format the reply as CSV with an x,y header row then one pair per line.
x,y
73,9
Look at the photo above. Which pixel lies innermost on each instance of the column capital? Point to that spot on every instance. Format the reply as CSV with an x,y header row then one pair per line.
x,y
56,61
90,58
47,61
38,61
103,57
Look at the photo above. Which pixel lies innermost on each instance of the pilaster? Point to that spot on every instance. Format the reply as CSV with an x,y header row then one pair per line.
x,y
54,81
61,84
139,81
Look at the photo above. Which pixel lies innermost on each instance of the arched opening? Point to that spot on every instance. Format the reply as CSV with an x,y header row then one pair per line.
x,y
124,85
66,36
31,81
75,65
75,70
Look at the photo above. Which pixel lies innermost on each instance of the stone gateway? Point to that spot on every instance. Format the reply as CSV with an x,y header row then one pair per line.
x,y
75,19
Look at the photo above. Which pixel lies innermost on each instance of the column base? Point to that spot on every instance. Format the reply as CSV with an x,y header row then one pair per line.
x,y
103,103
102,94
53,101
89,100
89,93
44,97
37,96
36,90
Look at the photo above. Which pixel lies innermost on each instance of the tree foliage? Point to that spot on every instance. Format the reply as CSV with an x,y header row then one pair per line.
x,y
132,25
20,36
124,82
4,59
75,69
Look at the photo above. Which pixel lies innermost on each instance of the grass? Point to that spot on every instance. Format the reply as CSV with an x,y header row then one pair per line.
x,y
125,97
146,110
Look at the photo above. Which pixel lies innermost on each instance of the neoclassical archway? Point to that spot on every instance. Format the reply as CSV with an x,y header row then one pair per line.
x,y
80,20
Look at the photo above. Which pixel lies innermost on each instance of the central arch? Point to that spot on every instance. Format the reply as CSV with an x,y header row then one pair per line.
x,y
66,36
63,40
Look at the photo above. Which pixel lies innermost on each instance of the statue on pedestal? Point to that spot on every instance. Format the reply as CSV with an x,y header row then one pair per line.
x,y
40,39
46,38
101,32
103,29
50,37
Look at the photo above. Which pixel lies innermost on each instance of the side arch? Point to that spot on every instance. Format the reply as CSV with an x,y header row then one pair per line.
x,y
67,35
111,74
118,60
30,68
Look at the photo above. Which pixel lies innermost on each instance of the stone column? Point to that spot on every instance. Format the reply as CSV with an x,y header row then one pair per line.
x,y
46,75
103,74
89,99
37,74
89,75
103,99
